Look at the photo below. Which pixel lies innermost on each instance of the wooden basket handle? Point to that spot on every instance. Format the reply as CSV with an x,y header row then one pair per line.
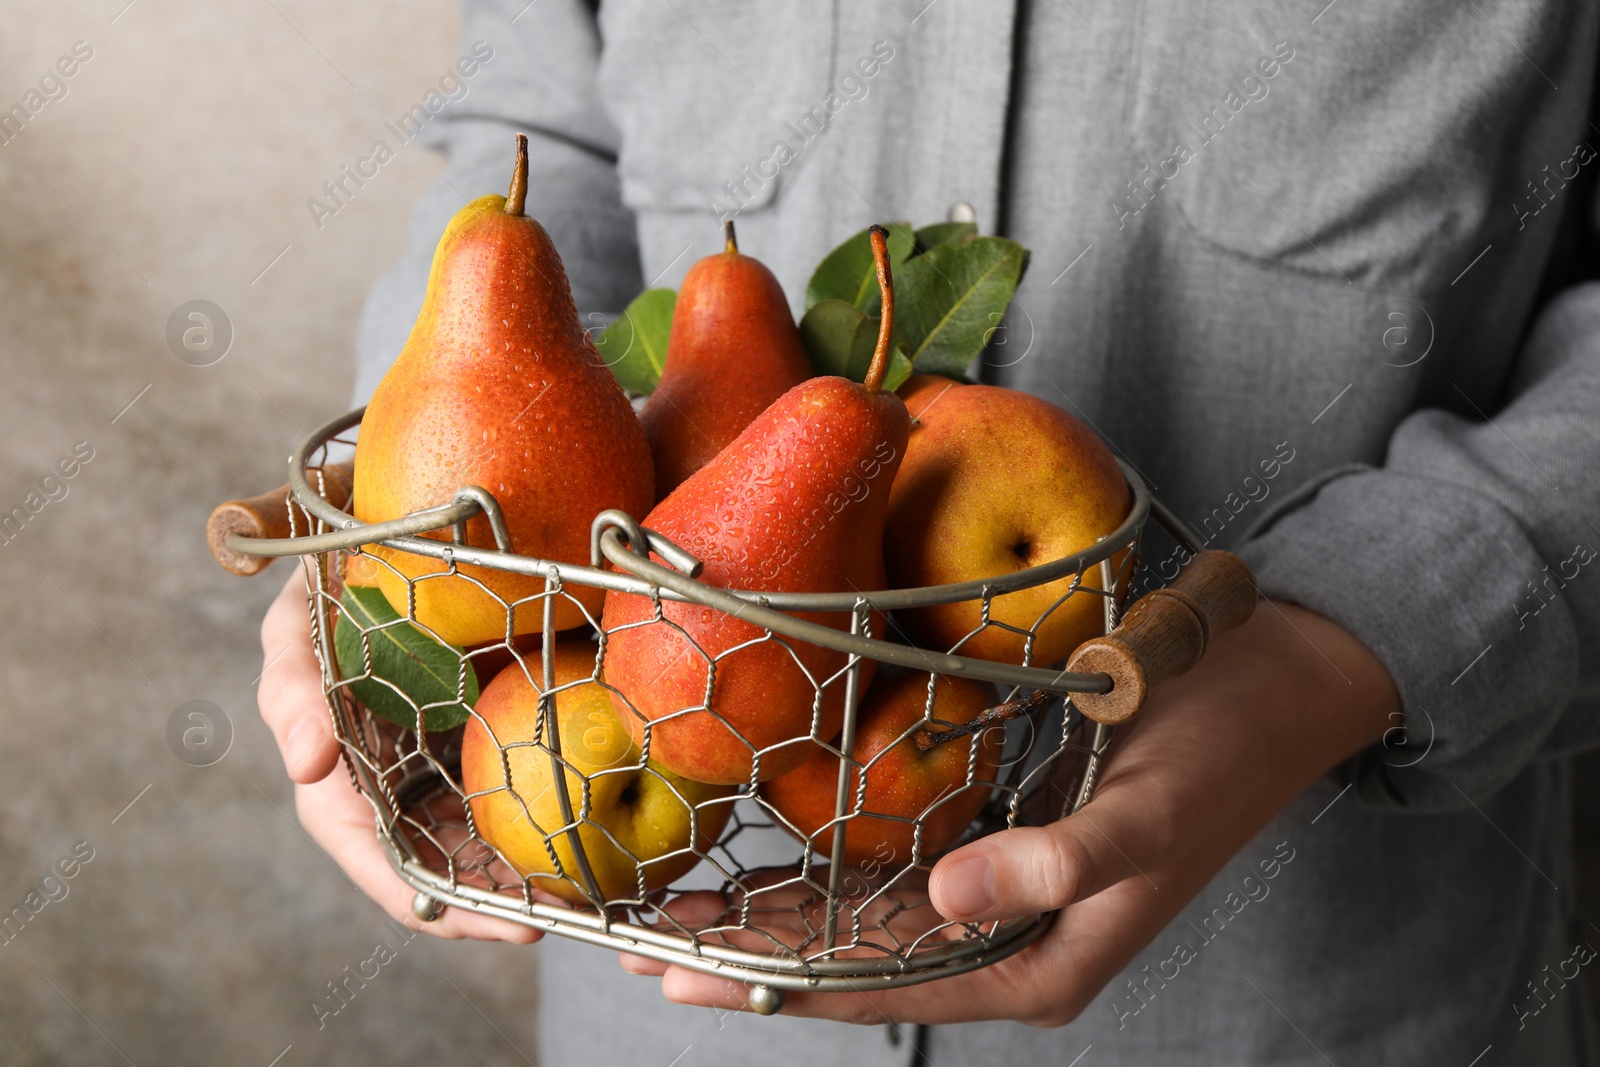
x,y
267,516
1164,634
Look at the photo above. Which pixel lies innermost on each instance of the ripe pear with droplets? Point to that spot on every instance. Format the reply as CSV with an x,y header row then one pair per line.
x,y
732,351
796,503
498,386
908,802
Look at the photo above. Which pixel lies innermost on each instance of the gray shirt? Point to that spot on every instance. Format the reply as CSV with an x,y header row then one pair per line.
x,y
1312,270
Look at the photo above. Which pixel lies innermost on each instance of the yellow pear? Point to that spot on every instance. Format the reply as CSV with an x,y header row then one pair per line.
x,y
996,481
629,811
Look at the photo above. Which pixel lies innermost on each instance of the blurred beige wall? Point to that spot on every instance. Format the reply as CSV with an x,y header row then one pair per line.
x,y
176,167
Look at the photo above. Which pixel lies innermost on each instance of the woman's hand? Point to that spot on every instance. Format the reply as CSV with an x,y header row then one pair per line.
x,y
337,817
1205,766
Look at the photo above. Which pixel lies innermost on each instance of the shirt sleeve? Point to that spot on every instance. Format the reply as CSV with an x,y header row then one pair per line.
x,y
540,79
1469,563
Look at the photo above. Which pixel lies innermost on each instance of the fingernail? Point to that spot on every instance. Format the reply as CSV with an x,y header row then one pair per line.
x,y
968,887
301,743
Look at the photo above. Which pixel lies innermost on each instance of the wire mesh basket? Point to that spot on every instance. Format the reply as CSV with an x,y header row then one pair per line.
x,y
525,792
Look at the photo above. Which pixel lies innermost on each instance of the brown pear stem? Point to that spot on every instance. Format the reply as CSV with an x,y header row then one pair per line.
x,y
1012,709
879,239
517,198
730,242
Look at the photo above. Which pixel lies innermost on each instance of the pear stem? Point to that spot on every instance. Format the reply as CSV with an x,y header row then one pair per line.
x,y
1012,709
878,237
517,198
730,242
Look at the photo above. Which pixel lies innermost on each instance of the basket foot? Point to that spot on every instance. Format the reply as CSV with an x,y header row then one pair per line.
x,y
426,908
765,1000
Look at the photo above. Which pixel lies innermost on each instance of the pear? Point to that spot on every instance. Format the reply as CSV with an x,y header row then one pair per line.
x,y
995,481
898,784
796,503
632,816
498,386
732,351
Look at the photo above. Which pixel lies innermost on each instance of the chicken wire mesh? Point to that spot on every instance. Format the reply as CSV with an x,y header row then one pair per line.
x,y
523,783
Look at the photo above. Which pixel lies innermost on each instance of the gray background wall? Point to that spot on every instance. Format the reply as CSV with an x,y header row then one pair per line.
x,y
177,167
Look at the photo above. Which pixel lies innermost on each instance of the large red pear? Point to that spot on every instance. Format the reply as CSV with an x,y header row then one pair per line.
x,y
796,503
498,386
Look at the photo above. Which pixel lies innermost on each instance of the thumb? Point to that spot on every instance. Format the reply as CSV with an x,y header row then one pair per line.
x,y
1027,870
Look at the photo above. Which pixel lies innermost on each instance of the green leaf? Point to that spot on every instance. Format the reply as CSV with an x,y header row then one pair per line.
x,y
900,369
635,346
949,301
839,339
848,273
404,658
941,233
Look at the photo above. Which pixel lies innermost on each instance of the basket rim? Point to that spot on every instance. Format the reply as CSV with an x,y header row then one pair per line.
x,y
349,533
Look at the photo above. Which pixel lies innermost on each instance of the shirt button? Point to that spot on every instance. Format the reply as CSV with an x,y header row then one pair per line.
x,y
961,211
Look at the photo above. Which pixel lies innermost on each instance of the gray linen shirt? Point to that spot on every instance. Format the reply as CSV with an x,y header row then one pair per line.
x,y
1310,267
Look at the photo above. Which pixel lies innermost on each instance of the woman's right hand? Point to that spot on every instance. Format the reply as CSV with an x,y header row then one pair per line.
x,y
338,818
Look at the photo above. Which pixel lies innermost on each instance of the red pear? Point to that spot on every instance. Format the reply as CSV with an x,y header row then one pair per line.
x,y
498,386
898,782
733,350
796,503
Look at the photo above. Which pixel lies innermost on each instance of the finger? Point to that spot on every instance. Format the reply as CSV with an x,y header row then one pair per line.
x,y
1047,984
696,909
340,821
683,986
783,916
636,964
1027,870
290,690
704,908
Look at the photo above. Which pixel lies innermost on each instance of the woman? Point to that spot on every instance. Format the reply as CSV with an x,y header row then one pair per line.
x,y
1338,245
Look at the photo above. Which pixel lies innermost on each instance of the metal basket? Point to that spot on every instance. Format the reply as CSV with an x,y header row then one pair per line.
x,y
762,906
